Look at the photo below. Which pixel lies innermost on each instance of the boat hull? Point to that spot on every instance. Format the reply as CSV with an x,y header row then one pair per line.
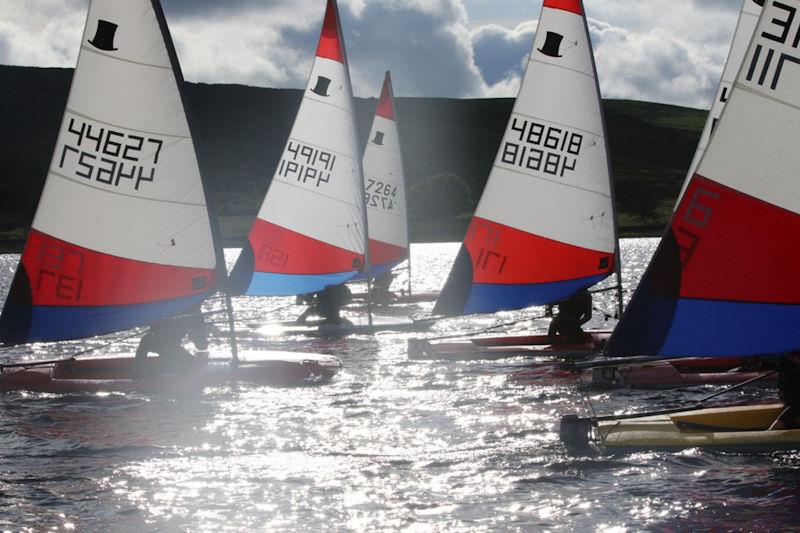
x,y
678,373
492,348
358,326
114,374
414,297
721,428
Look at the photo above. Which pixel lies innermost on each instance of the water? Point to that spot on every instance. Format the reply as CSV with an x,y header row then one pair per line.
x,y
389,445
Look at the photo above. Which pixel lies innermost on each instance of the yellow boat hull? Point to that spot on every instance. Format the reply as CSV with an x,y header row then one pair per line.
x,y
740,427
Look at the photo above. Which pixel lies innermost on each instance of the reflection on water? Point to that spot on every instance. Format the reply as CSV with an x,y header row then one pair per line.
x,y
390,444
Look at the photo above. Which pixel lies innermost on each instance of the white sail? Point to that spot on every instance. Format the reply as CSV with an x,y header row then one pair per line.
x,y
384,188
729,255
122,234
124,178
748,18
310,231
545,225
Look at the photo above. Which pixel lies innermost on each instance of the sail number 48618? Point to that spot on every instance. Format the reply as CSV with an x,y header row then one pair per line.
x,y
549,149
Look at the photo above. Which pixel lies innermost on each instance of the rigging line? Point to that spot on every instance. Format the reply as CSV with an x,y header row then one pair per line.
x,y
697,406
32,364
485,330
249,318
583,389
737,386
607,289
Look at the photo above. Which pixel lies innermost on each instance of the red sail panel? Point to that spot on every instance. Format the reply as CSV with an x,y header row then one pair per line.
x,y
505,255
575,6
731,248
279,250
330,42
63,274
382,252
386,104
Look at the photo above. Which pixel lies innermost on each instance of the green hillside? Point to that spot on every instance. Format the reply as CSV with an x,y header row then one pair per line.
x,y
449,147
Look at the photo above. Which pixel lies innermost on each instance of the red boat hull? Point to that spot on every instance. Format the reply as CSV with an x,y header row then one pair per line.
x,y
113,374
490,348
672,374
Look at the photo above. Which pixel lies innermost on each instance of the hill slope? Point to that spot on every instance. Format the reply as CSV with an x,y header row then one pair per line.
x,y
449,147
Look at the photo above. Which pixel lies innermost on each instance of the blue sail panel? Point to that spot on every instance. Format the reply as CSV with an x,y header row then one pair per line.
x,y
38,323
487,298
263,283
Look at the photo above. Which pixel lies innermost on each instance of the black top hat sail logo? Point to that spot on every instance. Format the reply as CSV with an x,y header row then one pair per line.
x,y
552,44
104,37
323,84
378,138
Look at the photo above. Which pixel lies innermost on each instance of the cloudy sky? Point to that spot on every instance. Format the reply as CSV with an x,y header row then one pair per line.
x,y
669,51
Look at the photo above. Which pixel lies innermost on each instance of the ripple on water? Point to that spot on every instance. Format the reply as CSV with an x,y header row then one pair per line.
x,y
390,444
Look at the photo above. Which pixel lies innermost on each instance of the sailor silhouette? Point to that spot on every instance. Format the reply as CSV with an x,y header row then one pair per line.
x,y
378,138
104,37
322,86
552,44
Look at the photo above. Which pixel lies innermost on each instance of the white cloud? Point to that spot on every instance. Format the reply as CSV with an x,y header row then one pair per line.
x,y
663,50
501,54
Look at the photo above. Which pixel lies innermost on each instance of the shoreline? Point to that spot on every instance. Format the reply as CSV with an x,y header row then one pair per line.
x,y
15,246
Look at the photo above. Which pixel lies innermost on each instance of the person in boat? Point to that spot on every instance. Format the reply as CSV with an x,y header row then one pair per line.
x,y
327,305
573,313
789,393
381,288
165,338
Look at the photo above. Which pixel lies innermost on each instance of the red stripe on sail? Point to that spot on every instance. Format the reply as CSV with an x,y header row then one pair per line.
x,y
386,105
330,42
502,254
63,274
736,247
382,252
575,6
278,250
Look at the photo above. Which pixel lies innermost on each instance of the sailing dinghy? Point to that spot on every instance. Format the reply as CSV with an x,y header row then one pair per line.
x,y
311,230
123,235
721,281
681,372
385,200
545,227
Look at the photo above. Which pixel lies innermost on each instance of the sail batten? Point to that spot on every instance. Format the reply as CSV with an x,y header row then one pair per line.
x,y
723,279
122,235
545,225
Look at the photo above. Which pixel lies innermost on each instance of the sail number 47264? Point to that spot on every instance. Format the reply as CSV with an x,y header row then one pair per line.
x,y
534,146
379,195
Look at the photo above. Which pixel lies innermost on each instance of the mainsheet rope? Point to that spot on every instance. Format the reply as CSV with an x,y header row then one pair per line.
x,y
136,333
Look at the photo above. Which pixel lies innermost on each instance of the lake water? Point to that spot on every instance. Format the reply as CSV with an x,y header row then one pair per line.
x,y
390,444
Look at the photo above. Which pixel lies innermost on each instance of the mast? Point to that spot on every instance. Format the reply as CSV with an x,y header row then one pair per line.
x,y
402,169
213,220
617,251
362,202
